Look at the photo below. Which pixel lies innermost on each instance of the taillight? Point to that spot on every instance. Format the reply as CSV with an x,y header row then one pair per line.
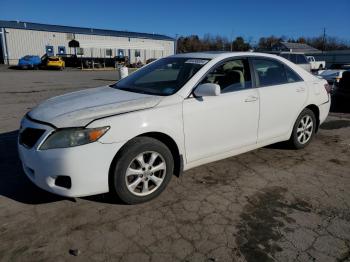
x,y
328,88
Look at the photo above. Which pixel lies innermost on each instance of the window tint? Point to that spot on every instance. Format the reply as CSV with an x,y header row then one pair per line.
x,y
291,75
269,72
293,58
286,56
301,59
231,76
296,58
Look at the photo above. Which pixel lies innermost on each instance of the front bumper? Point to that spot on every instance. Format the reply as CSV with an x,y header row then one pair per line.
x,y
87,165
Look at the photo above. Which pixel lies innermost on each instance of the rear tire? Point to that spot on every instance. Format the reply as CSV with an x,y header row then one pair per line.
x,y
142,171
303,130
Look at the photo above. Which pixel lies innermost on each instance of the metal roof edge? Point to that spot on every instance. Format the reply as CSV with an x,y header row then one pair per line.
x,y
80,30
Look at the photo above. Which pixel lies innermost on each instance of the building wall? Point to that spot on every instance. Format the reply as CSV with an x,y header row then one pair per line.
x,y
22,42
1,48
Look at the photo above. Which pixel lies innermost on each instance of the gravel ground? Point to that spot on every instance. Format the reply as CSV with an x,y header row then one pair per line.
x,y
272,204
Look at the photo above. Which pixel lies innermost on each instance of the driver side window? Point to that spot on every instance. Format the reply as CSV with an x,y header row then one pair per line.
x,y
233,75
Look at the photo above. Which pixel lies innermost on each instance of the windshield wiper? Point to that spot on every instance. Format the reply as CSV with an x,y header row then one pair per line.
x,y
129,89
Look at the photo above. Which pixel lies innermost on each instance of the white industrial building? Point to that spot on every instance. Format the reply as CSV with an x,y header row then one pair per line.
x,y
18,39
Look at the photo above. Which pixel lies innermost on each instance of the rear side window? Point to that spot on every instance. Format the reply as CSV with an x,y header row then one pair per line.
x,y
293,58
292,76
286,56
269,72
301,59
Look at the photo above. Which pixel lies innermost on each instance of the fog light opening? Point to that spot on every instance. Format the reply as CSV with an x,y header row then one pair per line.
x,y
63,181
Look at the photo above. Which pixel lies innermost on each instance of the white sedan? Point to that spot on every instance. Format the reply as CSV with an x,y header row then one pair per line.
x,y
174,114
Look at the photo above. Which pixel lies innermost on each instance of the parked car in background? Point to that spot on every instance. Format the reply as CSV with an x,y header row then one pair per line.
x,y
70,60
341,93
55,62
316,65
171,115
298,59
334,73
150,60
136,65
29,62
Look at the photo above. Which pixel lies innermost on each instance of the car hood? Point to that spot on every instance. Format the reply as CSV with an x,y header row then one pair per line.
x,y
81,107
331,72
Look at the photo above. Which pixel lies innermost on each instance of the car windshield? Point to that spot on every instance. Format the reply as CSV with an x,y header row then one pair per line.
x,y
27,57
163,77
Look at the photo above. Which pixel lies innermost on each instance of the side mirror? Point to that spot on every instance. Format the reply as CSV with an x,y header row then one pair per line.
x,y
207,89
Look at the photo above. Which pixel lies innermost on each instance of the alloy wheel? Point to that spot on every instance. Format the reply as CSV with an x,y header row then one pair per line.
x,y
145,173
305,129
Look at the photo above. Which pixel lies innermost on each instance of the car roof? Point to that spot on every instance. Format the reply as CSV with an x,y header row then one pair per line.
x,y
222,54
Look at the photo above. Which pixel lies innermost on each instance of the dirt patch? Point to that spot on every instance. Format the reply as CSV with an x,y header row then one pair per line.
x,y
261,221
337,161
346,256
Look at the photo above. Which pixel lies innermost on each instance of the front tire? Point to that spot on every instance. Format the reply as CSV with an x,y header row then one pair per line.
x,y
142,171
303,130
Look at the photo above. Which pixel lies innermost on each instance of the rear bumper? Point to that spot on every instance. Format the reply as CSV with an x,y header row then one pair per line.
x,y
324,110
87,166
54,66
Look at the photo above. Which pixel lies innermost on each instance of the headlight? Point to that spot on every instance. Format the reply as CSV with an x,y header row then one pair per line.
x,y
70,137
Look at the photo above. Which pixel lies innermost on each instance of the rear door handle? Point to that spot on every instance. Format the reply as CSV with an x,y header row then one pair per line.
x,y
300,89
251,99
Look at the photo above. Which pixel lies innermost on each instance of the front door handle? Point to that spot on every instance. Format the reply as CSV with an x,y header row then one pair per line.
x,y
251,99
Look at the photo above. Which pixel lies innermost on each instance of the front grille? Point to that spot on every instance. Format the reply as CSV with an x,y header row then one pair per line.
x,y
29,136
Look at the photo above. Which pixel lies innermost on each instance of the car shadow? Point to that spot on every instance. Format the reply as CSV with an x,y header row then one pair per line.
x,y
106,198
13,182
280,145
339,105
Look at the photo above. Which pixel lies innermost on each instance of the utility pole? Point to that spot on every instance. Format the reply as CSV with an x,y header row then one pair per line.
x,y
176,36
231,40
324,40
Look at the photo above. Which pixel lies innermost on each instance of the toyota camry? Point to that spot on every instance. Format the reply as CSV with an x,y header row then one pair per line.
x,y
176,113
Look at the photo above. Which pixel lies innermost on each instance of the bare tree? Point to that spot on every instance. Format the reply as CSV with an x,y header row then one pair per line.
x,y
208,42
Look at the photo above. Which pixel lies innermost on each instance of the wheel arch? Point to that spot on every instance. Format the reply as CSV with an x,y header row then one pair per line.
x,y
314,108
162,137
